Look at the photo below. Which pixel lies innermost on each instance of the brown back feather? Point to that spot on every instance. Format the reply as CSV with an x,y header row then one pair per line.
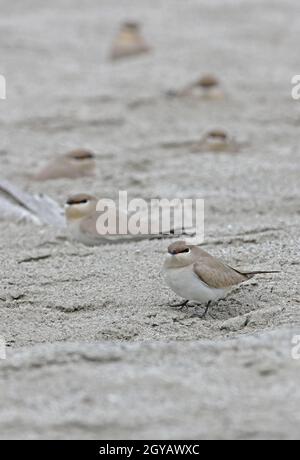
x,y
215,273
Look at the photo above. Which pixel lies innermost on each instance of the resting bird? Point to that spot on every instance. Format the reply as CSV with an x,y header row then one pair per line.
x,y
129,42
207,87
83,223
72,165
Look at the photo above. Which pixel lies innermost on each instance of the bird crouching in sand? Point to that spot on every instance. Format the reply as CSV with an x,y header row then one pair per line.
x,y
198,277
129,42
72,165
207,87
20,206
213,141
82,220
217,141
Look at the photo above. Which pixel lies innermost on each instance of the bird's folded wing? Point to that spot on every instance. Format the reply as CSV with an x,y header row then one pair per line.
x,y
107,228
218,275
102,228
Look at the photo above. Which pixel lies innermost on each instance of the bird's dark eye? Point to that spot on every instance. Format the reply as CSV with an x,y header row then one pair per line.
x,y
82,156
71,202
186,250
86,157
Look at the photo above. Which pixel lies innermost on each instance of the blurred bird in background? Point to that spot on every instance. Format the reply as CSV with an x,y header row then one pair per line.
x,y
72,165
129,42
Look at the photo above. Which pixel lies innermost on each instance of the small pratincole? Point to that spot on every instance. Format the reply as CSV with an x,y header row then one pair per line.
x,y
129,42
196,276
72,165
207,87
84,226
216,140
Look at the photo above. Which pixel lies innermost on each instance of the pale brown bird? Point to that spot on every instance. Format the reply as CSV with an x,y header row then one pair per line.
x,y
129,42
216,140
72,165
83,225
207,87
196,276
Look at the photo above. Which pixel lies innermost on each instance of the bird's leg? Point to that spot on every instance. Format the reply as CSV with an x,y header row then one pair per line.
x,y
180,306
198,315
207,308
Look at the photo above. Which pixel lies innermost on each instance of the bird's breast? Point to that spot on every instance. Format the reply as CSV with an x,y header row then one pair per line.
x,y
185,283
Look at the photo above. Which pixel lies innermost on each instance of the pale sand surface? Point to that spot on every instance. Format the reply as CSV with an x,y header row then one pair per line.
x,y
63,306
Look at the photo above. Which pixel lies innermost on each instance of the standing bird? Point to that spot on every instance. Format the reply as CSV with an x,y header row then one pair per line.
x,y
196,276
72,165
129,42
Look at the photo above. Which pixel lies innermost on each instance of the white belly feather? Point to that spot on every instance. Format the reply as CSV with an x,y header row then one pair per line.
x,y
186,284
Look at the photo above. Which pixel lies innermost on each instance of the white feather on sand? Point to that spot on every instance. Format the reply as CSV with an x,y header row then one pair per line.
x,y
20,206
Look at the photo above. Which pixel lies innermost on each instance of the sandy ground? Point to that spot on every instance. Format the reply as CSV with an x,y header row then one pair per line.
x,y
95,351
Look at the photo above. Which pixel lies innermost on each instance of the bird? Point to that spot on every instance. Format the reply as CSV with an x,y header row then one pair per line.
x,y
20,206
215,140
82,219
206,87
129,42
72,165
197,276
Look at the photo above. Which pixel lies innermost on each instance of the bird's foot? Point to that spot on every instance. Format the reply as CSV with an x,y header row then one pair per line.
x,y
181,305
